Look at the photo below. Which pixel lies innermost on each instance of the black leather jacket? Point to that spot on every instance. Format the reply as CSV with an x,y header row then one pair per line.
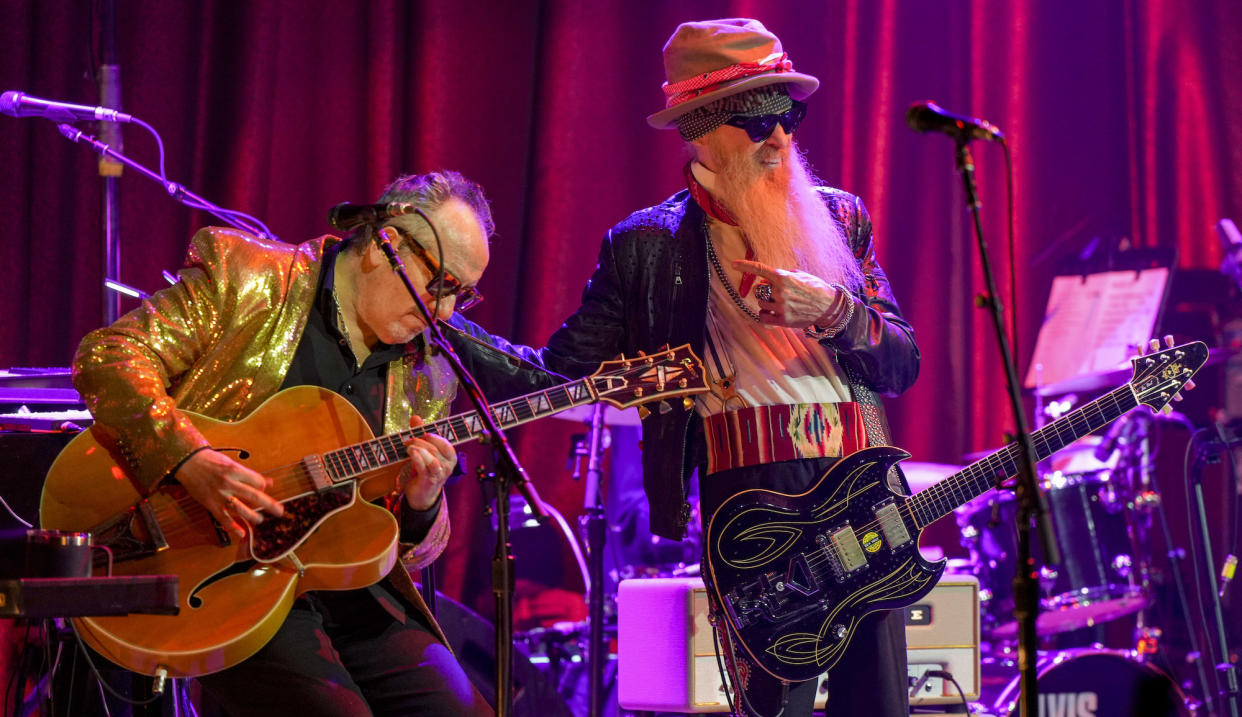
x,y
650,288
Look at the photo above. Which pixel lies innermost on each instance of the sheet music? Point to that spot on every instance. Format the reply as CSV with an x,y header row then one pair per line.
x,y
1093,323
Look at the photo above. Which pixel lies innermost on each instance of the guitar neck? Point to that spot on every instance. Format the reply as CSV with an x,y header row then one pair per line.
x,y
355,460
981,476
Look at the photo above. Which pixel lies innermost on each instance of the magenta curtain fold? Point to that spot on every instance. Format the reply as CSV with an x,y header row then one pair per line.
x,y
1121,116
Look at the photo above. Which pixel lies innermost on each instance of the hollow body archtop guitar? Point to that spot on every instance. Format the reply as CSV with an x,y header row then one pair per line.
x,y
326,468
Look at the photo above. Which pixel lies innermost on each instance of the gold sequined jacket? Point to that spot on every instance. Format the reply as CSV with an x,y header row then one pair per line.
x,y
220,341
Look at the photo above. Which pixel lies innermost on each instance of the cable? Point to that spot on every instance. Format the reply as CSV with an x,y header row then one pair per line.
x,y
725,682
13,513
111,690
1206,648
439,276
1232,477
946,675
573,544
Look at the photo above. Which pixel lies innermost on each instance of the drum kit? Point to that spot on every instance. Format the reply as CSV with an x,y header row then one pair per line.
x,y
1097,605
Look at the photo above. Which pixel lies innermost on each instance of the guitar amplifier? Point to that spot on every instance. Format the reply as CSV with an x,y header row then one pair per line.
x,y
666,656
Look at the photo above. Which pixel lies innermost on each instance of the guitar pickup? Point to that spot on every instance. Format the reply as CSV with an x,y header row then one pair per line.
x,y
891,524
844,551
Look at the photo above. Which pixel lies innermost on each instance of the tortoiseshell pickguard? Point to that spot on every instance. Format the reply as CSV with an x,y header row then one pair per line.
x,y
276,536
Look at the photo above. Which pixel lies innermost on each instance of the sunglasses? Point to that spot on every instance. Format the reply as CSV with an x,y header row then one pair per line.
x,y
443,284
760,127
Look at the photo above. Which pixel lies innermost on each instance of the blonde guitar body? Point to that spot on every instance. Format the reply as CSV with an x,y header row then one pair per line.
x,y
326,469
230,602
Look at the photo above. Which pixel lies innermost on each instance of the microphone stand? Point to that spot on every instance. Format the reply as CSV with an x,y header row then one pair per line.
x,y
109,80
176,191
593,516
509,474
1032,505
1206,449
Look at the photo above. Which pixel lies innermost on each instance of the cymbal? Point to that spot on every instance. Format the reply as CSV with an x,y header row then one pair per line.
x,y
612,416
921,476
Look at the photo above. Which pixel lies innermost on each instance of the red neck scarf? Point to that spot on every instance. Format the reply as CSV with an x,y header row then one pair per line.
x,y
717,211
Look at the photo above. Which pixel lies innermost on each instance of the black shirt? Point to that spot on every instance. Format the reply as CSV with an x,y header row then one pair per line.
x,y
323,358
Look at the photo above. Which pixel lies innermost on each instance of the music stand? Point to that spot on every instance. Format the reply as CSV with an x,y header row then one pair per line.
x,y
1092,325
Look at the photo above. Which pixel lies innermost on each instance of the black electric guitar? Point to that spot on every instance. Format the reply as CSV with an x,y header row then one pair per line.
x,y
796,573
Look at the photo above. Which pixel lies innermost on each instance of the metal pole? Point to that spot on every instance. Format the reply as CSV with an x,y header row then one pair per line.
x,y
109,81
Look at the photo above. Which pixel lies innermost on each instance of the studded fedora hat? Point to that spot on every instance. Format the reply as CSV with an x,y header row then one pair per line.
x,y
704,61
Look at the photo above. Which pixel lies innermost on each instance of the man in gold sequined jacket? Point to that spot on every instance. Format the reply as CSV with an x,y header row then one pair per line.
x,y
249,317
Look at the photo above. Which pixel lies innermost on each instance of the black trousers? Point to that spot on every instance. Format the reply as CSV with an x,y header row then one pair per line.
x,y
870,679
348,654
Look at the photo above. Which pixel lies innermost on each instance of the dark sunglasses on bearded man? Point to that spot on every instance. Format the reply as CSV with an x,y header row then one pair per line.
x,y
759,127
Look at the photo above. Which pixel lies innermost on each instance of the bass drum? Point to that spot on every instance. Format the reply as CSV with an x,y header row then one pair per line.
x,y
1096,581
1099,683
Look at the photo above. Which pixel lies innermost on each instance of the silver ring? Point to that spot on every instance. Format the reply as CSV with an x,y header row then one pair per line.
x,y
763,292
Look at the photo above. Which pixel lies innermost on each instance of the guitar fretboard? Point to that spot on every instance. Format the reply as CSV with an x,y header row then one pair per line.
x,y
981,476
352,461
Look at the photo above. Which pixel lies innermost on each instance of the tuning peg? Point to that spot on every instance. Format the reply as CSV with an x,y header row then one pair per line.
x,y
1168,340
664,407
1154,345
687,403
643,412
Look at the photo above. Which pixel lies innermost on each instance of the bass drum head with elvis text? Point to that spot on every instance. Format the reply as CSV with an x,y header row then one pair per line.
x,y
1099,683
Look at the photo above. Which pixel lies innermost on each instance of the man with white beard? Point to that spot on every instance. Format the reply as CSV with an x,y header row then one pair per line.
x,y
773,280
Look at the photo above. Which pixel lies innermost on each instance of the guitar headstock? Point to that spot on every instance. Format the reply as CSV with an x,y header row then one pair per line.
x,y
1159,375
668,373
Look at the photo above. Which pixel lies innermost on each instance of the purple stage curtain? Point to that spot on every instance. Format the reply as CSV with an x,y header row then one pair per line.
x,y
1121,115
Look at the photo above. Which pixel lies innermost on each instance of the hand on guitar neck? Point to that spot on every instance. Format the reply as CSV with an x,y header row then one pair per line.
x,y
231,492
431,461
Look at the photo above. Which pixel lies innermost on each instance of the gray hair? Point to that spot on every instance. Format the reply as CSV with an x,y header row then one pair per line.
x,y
429,192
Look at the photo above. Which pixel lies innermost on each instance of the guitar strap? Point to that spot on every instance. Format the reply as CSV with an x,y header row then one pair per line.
x,y
869,407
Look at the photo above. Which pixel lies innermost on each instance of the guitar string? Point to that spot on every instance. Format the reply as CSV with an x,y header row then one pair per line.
x,y
293,479
936,492
1077,420
295,475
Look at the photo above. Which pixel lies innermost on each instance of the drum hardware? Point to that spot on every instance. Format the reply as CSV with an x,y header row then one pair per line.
x,y
1095,681
1207,445
1147,641
1096,581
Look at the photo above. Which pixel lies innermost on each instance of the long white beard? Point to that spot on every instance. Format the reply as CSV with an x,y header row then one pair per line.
x,y
784,218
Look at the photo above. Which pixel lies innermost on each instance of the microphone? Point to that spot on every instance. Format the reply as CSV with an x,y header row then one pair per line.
x,y
346,216
927,116
20,104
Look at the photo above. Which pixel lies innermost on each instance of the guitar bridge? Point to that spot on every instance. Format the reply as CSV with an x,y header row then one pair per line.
x,y
775,599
